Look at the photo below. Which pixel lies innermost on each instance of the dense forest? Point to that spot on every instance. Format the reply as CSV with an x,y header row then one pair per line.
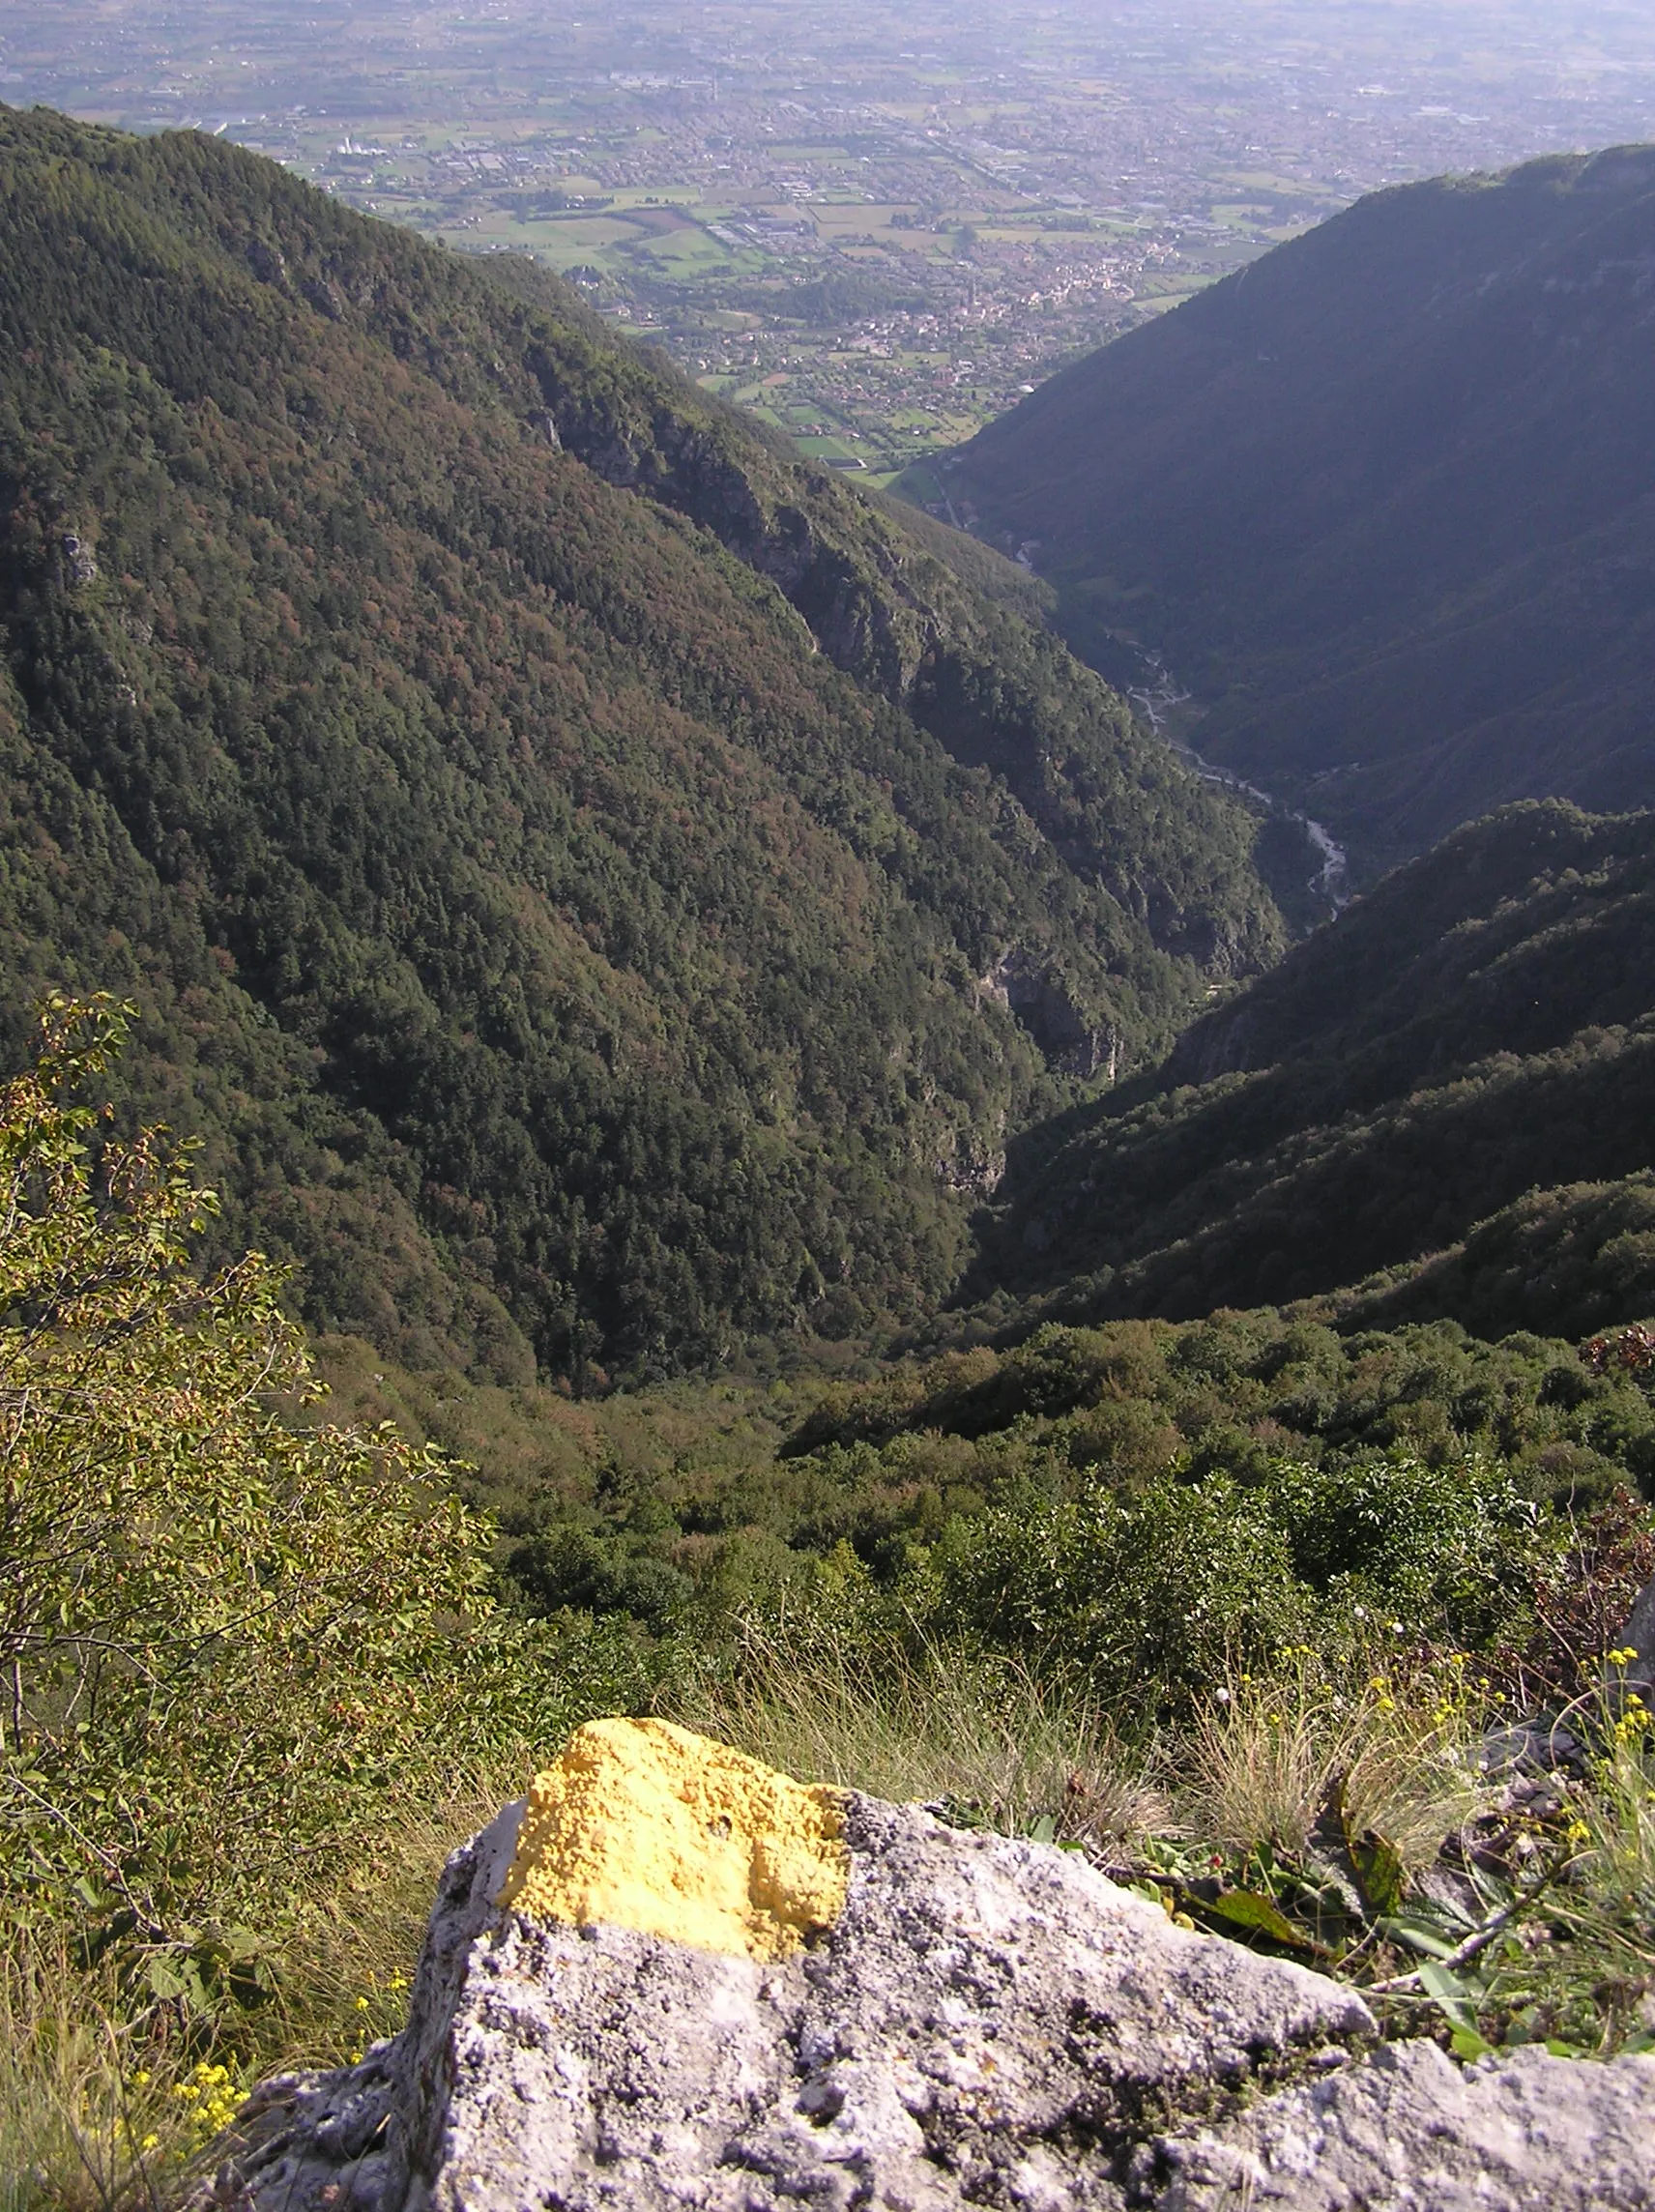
x,y
1196,1448
600,889
1450,1088
1384,500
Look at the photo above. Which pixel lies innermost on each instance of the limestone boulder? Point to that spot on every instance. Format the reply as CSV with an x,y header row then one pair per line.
x,y
889,2013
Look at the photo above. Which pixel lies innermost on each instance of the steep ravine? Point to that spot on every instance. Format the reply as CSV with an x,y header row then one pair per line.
x,y
1157,698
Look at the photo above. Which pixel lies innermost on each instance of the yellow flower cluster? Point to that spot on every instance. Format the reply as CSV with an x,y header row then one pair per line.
x,y
212,2096
210,2100
1634,1722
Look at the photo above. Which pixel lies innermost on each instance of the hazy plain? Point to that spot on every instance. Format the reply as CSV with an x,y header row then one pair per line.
x,y
875,227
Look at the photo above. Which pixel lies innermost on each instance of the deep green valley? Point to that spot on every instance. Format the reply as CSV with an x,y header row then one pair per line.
x,y
633,1089
566,849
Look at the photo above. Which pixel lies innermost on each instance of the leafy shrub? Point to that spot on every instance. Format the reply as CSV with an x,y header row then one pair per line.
x,y
1458,1548
231,1645
1150,1592
1158,1592
570,1569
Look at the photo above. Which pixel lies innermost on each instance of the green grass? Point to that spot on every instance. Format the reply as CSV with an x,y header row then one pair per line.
x,y
685,251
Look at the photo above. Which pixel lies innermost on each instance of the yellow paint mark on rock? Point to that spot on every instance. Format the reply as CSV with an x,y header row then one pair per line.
x,y
645,1825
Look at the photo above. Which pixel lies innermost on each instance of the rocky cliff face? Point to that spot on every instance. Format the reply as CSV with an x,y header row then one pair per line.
x,y
983,2022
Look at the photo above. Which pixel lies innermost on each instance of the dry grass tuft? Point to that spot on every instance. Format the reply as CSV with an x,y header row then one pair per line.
x,y
1263,1755
104,2106
993,1740
73,2118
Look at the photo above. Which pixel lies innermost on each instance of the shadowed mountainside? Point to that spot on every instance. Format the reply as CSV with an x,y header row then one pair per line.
x,y
1474,1033
1386,500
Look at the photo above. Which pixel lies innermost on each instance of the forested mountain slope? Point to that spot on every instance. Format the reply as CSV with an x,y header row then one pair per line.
x,y
1474,1033
558,841
1386,500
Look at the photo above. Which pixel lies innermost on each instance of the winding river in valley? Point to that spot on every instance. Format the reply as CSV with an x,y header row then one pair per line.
x,y
1157,697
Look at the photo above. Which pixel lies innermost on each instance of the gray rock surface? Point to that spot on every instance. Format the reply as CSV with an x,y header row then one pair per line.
x,y
1541,1745
991,2022
1639,1636
1408,2129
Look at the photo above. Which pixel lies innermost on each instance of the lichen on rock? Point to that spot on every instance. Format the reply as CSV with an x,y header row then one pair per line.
x,y
641,1825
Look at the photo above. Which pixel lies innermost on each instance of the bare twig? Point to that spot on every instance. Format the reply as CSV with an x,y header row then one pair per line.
x,y
1476,1942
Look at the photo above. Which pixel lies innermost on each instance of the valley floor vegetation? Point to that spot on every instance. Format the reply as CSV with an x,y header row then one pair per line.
x,y
1232,1606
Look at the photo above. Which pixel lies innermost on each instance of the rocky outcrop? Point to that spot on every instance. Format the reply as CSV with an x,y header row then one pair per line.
x,y
1636,1670
980,2021
857,597
1021,982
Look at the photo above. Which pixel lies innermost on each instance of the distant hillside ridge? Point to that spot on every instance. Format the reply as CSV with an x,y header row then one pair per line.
x,y
1443,1104
600,889
1384,499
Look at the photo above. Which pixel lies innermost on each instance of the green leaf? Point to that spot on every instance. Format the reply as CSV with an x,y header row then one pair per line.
x,y
1379,1873
1453,1999
196,1995
1375,1863
240,1943
1246,1908
1420,1934
165,1980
